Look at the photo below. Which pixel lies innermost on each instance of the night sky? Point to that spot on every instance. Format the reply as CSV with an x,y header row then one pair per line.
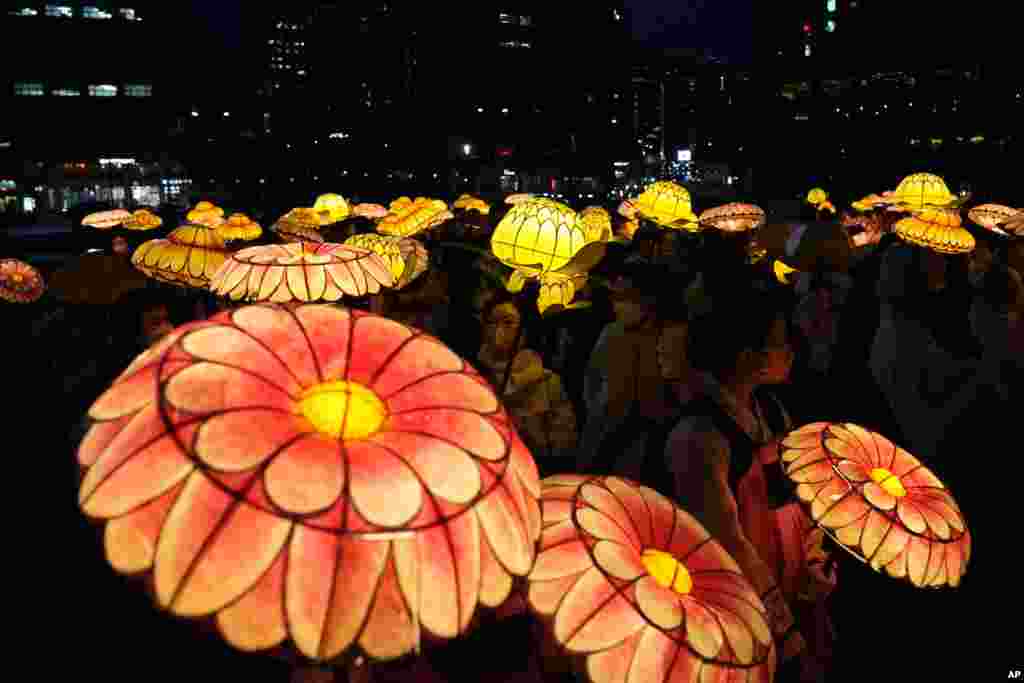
x,y
723,27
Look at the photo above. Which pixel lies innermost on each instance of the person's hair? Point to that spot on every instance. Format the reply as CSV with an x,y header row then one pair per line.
x,y
738,321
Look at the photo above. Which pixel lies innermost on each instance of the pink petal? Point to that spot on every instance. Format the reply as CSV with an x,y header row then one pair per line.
x,y
655,653
843,511
544,597
466,430
256,621
852,450
505,530
565,559
458,391
601,526
279,330
391,630
659,604
495,581
815,468
257,274
828,493
556,511
208,387
593,616
612,665
382,487
692,545
131,393
663,517
639,514
130,541
328,331
272,285
557,534
875,446
619,561
911,516
230,345
702,630
316,281
99,436
238,440
447,471
340,279
920,564
375,340
295,274
356,576
940,518
525,467
878,496
921,479
358,277
613,509
307,476
740,610
314,558
418,358
903,463
875,530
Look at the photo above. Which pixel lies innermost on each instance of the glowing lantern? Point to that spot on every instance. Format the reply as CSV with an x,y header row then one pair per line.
x,y
106,219
878,502
314,474
597,224
519,198
143,219
667,204
369,211
782,272
990,216
558,289
630,582
922,190
827,206
205,213
303,271
468,202
189,256
407,258
816,196
408,219
331,208
734,217
873,201
1015,224
239,227
938,230
20,283
538,235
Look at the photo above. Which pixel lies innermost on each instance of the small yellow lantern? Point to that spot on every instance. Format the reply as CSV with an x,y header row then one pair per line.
x,y
938,230
667,204
597,224
782,272
189,256
143,219
923,190
559,289
816,196
408,218
538,235
239,227
300,219
467,202
331,208
205,213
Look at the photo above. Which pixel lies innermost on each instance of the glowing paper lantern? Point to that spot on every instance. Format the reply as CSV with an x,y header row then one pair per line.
x,y
369,211
518,198
314,474
298,220
559,289
923,190
20,283
734,217
827,206
189,256
239,227
106,219
205,213
409,219
301,271
468,202
782,272
632,583
1015,224
878,502
407,258
816,196
873,201
938,230
331,208
597,224
667,204
538,235
143,219
990,216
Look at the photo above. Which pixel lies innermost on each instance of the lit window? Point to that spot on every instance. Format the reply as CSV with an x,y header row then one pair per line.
x,y
24,12
29,89
830,5
807,50
616,16
102,90
128,13
58,11
95,13
138,90
525,21
66,92
830,26
301,72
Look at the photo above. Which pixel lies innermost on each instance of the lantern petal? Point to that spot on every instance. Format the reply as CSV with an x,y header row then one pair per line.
x,y
843,511
564,559
663,516
357,570
695,548
455,390
658,604
879,497
341,277
604,527
279,329
892,545
639,513
374,358
203,388
727,592
328,330
911,516
594,599
99,436
505,527
256,621
307,475
130,541
313,560
555,534
417,359
272,282
495,581
391,630
611,508
655,654
233,346
466,430
382,486
617,560
612,665
130,394
448,472
941,506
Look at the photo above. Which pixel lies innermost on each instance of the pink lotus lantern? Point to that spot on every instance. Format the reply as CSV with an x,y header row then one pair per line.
x,y
20,283
991,216
637,588
370,211
314,474
878,502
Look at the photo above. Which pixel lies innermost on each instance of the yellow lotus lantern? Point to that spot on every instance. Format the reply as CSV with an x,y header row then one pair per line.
x,y
667,204
597,224
991,216
782,272
408,218
188,257
734,217
467,202
816,196
938,230
538,235
406,258
143,219
873,201
239,227
924,190
298,221
559,289
205,213
331,208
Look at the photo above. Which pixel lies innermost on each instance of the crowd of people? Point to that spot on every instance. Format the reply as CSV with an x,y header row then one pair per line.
x,y
687,364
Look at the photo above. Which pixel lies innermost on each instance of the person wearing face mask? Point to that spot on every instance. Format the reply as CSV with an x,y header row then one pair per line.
x,y
722,462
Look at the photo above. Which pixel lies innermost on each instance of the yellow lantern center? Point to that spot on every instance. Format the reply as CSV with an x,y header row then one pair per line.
x,y
343,409
889,482
667,571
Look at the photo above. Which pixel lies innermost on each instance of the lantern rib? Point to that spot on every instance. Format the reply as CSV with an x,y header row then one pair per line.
x,y
386,363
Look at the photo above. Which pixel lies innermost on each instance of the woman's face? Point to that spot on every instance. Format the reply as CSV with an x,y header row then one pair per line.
x,y
672,357
501,327
772,364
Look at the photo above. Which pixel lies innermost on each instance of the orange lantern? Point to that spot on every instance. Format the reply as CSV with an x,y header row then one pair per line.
x,y
205,213
990,216
143,219
188,257
408,218
312,474
105,220
878,502
301,271
468,202
734,217
938,230
239,227
20,283
628,582
369,211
